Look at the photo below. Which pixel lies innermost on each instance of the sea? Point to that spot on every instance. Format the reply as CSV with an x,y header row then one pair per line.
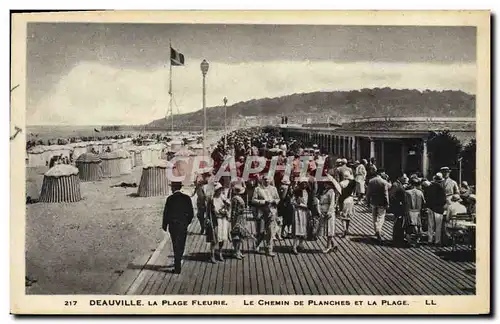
x,y
46,132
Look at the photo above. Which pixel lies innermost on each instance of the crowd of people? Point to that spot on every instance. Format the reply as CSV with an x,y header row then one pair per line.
x,y
301,207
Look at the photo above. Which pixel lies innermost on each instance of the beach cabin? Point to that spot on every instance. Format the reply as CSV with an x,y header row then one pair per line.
x,y
124,161
110,164
154,181
89,167
36,156
175,145
61,184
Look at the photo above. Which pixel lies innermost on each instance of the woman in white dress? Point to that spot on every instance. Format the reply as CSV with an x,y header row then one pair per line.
x,y
346,200
327,203
300,213
218,229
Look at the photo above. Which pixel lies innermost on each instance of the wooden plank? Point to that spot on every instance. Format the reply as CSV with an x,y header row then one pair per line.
x,y
284,269
236,276
197,285
412,283
409,260
311,265
279,286
332,279
252,267
123,283
157,278
144,276
359,273
295,279
212,284
190,267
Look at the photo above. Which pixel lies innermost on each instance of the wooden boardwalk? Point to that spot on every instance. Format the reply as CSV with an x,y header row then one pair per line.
x,y
360,267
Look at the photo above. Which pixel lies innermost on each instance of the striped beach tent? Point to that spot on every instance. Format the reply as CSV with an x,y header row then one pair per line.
x,y
110,164
124,161
89,167
154,180
61,184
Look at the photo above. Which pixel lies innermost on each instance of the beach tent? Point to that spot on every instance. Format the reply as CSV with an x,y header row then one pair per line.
x,y
197,149
57,150
175,145
89,167
61,184
151,153
131,152
36,156
124,161
110,164
154,179
138,156
79,148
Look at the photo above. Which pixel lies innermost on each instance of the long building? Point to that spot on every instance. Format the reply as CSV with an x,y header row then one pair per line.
x,y
399,144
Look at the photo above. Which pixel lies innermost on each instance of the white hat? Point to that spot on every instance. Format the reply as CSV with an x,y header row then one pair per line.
x,y
239,189
217,186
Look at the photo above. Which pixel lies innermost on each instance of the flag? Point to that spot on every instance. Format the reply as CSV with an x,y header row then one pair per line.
x,y
176,58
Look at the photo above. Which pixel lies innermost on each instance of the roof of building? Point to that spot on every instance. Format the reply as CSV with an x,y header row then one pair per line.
x,y
411,124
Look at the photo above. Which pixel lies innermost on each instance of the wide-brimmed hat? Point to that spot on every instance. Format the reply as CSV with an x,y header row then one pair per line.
x,y
334,182
344,161
415,181
426,183
445,169
456,197
238,189
438,177
285,180
338,160
217,186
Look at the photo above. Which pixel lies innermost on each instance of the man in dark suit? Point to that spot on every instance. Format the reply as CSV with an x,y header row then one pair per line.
x,y
177,216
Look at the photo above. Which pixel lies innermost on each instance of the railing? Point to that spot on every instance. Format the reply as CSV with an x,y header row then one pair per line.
x,y
416,119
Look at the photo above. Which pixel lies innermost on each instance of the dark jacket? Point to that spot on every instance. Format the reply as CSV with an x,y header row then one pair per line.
x,y
397,199
435,197
377,192
178,211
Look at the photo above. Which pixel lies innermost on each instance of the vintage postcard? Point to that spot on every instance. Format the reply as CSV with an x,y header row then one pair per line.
x,y
250,162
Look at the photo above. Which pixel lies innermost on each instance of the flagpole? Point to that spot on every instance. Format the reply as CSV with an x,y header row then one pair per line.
x,y
170,91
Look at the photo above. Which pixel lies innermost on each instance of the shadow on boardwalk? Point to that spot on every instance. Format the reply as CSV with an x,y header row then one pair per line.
x,y
361,266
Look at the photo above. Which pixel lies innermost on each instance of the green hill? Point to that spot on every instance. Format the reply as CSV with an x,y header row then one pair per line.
x,y
337,105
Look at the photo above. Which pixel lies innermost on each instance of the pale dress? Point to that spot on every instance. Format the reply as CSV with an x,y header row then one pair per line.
x,y
327,209
223,224
301,214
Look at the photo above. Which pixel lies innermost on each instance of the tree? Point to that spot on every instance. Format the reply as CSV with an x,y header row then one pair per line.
x,y
468,155
444,150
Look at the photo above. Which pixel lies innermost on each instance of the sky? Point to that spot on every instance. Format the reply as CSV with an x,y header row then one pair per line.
x,y
95,74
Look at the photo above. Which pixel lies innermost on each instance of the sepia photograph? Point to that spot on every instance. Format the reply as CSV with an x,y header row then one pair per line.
x,y
210,159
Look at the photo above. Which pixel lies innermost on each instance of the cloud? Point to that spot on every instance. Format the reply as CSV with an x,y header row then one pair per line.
x,y
96,94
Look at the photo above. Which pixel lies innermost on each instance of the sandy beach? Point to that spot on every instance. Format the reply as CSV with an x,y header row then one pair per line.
x,y
82,247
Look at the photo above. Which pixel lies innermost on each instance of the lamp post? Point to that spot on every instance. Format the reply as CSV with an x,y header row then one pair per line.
x,y
225,122
204,69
